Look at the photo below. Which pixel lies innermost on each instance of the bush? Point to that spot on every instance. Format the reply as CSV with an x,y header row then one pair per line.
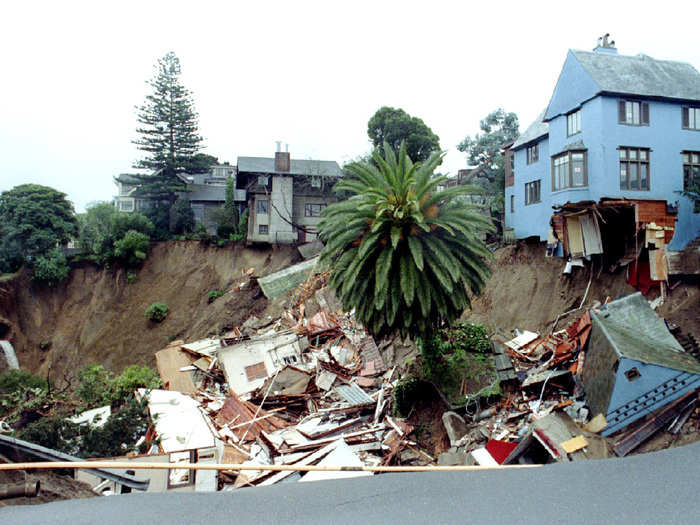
x,y
51,268
131,278
157,312
132,378
15,380
215,294
95,387
131,250
181,216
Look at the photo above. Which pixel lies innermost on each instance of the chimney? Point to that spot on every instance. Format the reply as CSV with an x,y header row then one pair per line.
x,y
605,45
282,161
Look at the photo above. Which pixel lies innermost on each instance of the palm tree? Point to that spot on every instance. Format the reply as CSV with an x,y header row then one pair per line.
x,y
401,252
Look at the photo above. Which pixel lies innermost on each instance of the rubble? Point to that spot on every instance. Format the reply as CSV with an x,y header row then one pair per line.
x,y
313,388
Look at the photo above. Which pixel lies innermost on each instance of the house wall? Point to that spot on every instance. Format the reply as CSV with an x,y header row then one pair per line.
x,y
573,87
602,135
531,219
644,388
281,213
300,218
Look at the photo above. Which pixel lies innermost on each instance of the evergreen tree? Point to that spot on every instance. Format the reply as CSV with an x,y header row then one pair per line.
x,y
167,133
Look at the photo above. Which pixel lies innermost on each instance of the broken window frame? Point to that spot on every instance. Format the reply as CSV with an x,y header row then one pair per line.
x,y
690,118
533,192
191,475
632,157
532,154
691,173
563,178
633,113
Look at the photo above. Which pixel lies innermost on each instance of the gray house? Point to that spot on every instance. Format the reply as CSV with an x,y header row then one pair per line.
x,y
285,196
634,365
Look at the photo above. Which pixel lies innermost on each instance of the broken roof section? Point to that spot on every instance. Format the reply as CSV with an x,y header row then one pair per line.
x,y
178,421
281,282
636,332
634,366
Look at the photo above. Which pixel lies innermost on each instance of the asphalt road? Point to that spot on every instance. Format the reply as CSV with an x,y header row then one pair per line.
x,y
661,487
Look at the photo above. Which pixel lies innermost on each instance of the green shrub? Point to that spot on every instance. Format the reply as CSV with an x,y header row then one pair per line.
x,y
157,312
95,386
215,294
15,380
131,278
181,216
51,268
132,378
131,249
407,393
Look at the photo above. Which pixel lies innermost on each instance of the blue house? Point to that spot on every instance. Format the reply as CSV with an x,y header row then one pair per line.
x,y
634,366
618,140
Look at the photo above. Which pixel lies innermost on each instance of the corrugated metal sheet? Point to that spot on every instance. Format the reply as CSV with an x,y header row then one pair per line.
x,y
353,394
279,283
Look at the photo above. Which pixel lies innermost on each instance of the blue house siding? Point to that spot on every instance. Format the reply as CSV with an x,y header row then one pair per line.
x,y
531,219
573,87
659,387
602,136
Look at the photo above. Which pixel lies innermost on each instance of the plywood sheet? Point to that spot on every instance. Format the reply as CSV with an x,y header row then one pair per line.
x,y
573,227
591,235
169,362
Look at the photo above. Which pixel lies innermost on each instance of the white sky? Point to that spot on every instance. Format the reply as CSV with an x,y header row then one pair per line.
x,y
308,73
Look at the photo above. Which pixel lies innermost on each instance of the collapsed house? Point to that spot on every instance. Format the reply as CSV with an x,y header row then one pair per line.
x,y
634,365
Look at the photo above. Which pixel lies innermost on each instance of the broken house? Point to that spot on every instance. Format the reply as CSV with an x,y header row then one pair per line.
x,y
616,143
634,365
286,196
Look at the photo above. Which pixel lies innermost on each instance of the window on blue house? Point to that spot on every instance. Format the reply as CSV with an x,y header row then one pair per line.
x,y
569,170
573,123
634,168
512,203
532,154
691,174
633,113
532,192
691,118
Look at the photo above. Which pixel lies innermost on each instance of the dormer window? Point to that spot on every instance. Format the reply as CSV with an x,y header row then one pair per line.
x,y
691,118
633,113
573,123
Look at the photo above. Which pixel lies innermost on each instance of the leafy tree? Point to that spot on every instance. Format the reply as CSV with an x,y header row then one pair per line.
x,y
103,226
497,129
33,220
226,218
400,252
394,126
168,133
201,163
484,150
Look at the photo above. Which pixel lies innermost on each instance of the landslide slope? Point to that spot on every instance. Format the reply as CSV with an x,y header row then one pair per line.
x,y
528,291
97,317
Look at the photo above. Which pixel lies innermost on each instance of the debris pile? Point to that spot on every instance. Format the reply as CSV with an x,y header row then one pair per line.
x,y
289,391
615,371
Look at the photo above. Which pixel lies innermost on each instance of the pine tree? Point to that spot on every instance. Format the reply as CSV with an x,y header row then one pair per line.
x,y
403,252
168,132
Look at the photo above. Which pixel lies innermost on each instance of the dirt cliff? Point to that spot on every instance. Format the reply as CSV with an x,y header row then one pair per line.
x,y
98,317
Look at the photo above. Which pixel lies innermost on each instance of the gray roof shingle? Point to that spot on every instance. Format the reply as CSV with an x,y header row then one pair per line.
x,y
636,332
534,131
641,75
323,168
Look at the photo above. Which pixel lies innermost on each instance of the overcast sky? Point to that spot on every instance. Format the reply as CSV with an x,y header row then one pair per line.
x,y
310,74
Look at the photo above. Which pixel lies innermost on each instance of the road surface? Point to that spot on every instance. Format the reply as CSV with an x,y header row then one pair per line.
x,y
661,487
